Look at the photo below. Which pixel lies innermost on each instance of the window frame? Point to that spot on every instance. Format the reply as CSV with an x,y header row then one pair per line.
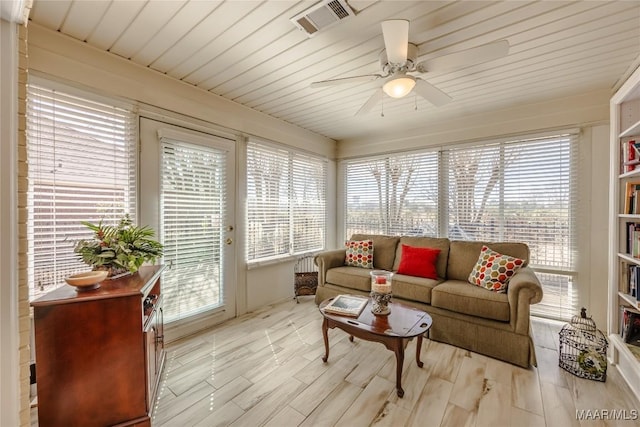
x,y
291,154
568,273
82,105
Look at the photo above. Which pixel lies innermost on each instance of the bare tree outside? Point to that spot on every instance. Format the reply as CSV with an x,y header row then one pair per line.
x,y
475,178
394,179
286,202
387,195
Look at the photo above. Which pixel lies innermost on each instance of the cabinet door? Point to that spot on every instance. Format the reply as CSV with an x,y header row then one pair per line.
x,y
159,348
151,339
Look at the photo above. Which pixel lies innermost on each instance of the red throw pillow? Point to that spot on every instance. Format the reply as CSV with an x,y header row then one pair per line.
x,y
419,262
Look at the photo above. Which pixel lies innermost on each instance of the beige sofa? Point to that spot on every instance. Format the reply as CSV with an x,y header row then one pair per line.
x,y
464,315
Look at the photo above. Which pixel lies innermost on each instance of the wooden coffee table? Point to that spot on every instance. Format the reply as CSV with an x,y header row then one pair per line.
x,y
394,330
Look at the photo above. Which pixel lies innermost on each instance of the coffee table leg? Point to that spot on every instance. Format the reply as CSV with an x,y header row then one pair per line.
x,y
325,335
418,348
399,351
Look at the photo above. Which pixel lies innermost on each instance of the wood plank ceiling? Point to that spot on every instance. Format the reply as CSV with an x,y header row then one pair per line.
x,y
251,53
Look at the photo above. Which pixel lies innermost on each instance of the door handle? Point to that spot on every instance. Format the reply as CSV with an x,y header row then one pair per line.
x,y
228,241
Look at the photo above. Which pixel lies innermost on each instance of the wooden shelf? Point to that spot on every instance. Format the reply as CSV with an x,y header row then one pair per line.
x,y
629,299
625,126
633,130
628,258
624,348
630,174
629,216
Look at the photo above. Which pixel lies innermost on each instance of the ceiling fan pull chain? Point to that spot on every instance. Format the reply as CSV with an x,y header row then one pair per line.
x,y
382,108
415,100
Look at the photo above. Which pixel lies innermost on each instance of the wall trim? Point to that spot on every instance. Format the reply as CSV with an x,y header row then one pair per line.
x,y
9,331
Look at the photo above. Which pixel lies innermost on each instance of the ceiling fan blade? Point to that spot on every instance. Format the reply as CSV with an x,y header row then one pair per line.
x,y
475,55
354,79
396,40
431,93
371,102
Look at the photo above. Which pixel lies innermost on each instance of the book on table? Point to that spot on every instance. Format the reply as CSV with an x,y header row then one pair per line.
x,y
346,305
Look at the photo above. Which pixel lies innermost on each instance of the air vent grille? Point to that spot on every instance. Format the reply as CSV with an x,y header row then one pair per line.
x,y
322,15
338,9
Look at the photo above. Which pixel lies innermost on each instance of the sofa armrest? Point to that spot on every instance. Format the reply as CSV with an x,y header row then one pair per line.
x,y
327,260
524,289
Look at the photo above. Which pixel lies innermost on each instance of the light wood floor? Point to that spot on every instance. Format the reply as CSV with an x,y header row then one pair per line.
x,y
265,369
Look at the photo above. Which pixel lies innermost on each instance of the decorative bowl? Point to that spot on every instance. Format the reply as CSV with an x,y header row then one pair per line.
x,y
88,280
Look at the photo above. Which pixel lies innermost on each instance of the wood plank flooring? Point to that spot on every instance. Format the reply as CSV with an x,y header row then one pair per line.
x,y
265,369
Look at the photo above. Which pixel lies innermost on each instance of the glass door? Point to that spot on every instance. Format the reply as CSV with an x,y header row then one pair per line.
x,y
191,188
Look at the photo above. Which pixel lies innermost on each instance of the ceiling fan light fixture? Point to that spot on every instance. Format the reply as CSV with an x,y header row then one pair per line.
x,y
399,85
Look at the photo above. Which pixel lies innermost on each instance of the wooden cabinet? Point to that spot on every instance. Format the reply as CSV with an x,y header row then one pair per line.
x,y
624,226
99,353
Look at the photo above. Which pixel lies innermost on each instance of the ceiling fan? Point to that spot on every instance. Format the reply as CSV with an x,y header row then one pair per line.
x,y
399,59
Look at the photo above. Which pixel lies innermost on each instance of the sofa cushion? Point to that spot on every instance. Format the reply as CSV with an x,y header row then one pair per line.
x,y
493,270
384,249
350,277
427,242
359,253
465,298
413,288
463,256
420,262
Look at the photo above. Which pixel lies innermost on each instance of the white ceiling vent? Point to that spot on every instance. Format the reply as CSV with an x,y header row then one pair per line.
x,y
322,15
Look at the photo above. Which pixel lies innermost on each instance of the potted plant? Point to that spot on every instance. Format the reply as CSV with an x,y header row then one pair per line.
x,y
118,248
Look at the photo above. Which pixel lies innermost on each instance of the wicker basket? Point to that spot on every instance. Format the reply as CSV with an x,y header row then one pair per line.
x,y
305,280
583,348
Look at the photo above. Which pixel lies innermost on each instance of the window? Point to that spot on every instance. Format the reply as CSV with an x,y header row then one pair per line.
x,y
393,195
82,167
286,202
523,190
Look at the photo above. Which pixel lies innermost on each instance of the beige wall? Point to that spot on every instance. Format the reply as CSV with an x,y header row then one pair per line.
x,y
70,60
14,300
9,358
24,322
598,233
573,111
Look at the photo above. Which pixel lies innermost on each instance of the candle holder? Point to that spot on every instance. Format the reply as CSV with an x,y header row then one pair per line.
x,y
380,305
380,292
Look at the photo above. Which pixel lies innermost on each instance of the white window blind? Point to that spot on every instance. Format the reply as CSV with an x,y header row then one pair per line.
x,y
393,195
524,191
308,203
193,205
286,202
82,167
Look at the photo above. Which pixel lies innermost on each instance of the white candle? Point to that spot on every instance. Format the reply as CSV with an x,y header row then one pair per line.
x,y
381,288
